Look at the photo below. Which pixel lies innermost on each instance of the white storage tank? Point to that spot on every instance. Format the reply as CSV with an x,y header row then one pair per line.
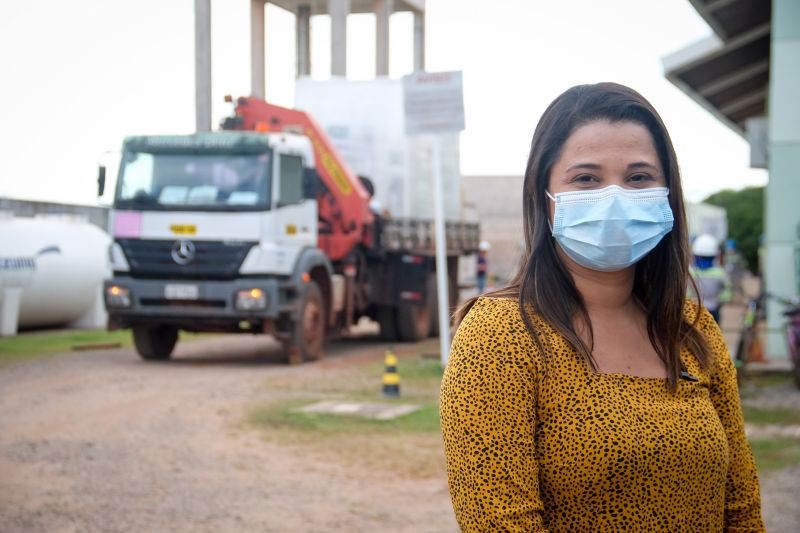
x,y
51,272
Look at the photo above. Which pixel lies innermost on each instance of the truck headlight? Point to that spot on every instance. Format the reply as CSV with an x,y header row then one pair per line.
x,y
251,300
117,296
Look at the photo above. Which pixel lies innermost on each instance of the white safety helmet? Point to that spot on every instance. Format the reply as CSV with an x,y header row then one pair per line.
x,y
705,245
484,246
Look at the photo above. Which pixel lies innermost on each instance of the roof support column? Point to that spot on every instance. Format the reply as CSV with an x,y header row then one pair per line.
x,y
781,216
257,56
419,41
339,9
383,11
202,64
303,40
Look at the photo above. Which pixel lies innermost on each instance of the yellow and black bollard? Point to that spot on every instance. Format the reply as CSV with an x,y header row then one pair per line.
x,y
391,379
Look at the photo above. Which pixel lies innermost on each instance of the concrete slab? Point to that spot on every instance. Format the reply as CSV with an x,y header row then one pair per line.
x,y
375,411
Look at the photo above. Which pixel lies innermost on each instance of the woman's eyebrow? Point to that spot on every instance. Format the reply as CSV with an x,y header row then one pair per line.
x,y
595,166
642,164
591,166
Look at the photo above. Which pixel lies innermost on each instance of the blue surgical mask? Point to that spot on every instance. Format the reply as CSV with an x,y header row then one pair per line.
x,y
611,228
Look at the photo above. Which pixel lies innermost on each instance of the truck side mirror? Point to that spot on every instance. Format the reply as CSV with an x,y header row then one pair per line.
x,y
311,183
101,180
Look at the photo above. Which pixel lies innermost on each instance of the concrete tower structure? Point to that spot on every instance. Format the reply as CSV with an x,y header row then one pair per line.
x,y
338,10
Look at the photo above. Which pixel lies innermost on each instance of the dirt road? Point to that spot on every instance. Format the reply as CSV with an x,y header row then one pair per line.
x,y
104,442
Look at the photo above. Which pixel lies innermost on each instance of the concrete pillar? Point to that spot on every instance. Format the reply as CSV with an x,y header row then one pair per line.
x,y
257,58
339,9
10,298
202,64
782,218
383,11
419,41
303,40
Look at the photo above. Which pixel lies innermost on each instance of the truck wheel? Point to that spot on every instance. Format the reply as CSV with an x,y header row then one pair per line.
x,y
413,322
155,343
387,320
308,336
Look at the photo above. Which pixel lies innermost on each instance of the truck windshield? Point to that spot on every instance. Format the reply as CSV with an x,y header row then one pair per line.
x,y
194,181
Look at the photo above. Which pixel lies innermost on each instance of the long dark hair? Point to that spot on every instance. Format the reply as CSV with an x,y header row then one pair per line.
x,y
543,285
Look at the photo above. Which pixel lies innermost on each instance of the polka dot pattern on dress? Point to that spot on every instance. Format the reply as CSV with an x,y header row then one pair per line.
x,y
535,446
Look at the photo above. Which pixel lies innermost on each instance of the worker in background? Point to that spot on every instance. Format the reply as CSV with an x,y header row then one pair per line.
x,y
735,267
483,265
710,278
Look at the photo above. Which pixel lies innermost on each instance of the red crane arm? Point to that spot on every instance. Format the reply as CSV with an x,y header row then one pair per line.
x,y
345,216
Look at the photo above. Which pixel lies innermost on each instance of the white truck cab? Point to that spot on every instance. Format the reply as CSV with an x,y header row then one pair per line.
x,y
211,232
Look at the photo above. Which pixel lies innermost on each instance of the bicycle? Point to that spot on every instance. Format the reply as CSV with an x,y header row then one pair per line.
x,y
792,313
754,314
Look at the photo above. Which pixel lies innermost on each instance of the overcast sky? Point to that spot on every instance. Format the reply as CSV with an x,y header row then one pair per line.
x,y
78,76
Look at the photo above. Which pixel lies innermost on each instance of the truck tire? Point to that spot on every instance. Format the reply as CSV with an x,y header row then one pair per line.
x,y
308,331
387,320
155,342
413,322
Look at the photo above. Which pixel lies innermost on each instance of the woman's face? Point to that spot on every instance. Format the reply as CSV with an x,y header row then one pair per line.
x,y
604,153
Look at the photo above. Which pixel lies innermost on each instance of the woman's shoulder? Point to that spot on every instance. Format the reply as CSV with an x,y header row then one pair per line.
x,y
697,315
495,324
493,314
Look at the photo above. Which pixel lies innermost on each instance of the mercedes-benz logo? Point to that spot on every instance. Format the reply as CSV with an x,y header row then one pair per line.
x,y
183,252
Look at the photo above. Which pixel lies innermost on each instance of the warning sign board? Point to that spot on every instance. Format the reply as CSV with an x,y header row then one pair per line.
x,y
434,102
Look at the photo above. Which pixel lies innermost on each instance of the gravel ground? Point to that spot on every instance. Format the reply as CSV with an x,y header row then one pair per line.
x,y
779,488
104,442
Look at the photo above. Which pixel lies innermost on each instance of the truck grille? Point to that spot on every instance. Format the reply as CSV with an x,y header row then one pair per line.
x,y
211,259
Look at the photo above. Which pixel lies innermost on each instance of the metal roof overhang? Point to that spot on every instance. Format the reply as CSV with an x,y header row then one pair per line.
x,y
727,73
320,7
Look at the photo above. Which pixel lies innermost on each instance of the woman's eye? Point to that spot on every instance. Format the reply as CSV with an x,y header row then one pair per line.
x,y
583,178
640,178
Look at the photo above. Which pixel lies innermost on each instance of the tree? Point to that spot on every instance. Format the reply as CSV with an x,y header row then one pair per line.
x,y
745,211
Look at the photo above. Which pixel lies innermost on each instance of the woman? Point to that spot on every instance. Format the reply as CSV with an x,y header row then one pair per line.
x,y
589,395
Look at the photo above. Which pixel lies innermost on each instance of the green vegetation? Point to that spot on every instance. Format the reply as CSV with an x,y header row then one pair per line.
x,y
410,444
752,383
51,342
781,416
775,453
771,452
419,385
424,420
745,210
30,345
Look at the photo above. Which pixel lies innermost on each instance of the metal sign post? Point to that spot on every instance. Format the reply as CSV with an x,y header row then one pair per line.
x,y
434,104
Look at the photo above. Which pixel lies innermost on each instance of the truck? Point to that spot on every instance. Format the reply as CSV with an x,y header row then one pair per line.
x,y
262,228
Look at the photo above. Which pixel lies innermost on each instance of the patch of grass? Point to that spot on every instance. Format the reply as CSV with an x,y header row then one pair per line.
x,y
424,420
777,415
30,345
775,453
754,381
420,369
408,445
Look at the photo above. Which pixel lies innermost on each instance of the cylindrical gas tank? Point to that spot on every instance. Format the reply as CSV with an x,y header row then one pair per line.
x,y
59,261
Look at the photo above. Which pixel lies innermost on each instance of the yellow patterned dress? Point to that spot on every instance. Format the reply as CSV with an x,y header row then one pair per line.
x,y
558,447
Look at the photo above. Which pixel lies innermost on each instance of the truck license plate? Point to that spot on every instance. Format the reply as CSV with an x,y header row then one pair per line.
x,y
181,292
